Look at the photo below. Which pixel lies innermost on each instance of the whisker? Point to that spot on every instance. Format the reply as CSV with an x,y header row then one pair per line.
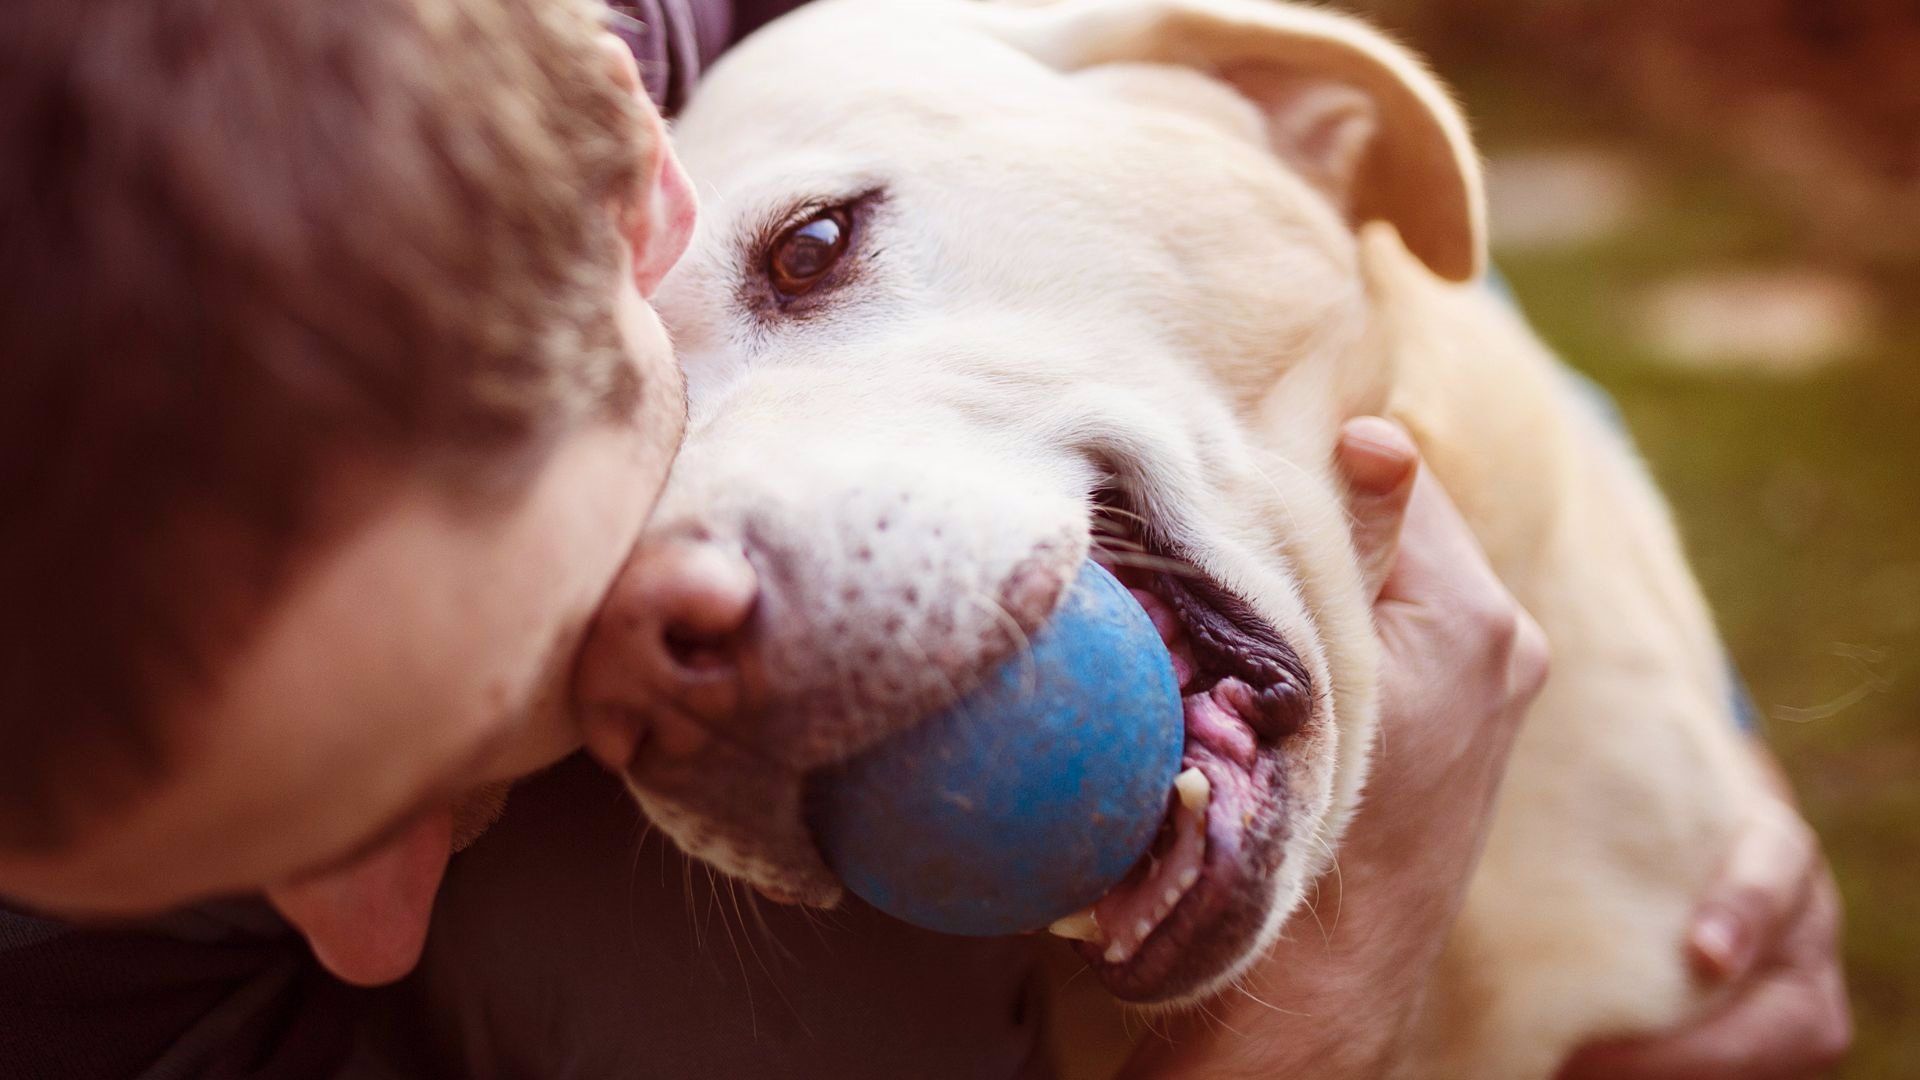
x,y
693,917
1285,506
815,923
732,887
633,885
746,981
1339,884
1174,567
1205,1009
1000,614
766,928
906,639
1263,1002
1312,904
1084,968
1107,509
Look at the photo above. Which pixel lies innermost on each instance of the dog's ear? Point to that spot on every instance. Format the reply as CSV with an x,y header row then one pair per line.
x,y
1353,113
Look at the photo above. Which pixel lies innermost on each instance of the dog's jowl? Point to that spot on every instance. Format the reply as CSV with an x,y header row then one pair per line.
x,y
980,290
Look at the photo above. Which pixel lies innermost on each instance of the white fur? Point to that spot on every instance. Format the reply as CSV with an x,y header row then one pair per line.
x,y
1092,250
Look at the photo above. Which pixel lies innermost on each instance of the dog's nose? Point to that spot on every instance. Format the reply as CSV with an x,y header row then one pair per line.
x,y
667,658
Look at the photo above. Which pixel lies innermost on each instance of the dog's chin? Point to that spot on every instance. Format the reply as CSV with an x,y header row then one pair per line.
x,y
1192,912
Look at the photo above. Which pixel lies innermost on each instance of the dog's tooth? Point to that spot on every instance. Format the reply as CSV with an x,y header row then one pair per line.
x,y
1117,952
1194,789
1173,897
1188,877
1079,926
1144,928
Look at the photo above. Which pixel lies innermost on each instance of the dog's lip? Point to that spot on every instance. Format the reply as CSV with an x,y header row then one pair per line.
x,y
1218,918
1242,669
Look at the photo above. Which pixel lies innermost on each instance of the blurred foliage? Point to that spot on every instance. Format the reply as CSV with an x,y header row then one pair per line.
x,y
1799,496
1816,100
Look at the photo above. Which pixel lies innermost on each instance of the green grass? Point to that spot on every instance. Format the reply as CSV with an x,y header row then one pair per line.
x,y
1799,497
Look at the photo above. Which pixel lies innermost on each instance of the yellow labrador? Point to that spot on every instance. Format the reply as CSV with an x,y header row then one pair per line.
x,y
982,288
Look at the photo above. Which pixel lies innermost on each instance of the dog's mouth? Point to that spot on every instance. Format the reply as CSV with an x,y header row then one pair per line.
x,y
1196,902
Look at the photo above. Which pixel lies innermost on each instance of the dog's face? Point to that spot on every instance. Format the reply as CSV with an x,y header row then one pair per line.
x,y
981,291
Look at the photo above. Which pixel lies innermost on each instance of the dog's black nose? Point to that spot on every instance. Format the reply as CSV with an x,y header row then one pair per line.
x,y
668,658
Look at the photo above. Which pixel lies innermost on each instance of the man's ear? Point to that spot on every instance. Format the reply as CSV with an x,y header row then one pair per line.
x,y
621,67
657,217
1354,114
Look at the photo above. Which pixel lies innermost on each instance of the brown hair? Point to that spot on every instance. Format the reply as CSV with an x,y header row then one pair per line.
x,y
240,239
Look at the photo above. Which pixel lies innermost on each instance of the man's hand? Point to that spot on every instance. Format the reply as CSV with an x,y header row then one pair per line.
x,y
1461,664
1768,930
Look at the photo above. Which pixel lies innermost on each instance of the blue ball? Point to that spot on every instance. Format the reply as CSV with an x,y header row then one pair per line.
x,y
1030,797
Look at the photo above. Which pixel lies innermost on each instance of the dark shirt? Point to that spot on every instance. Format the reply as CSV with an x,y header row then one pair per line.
x,y
222,991
567,944
573,943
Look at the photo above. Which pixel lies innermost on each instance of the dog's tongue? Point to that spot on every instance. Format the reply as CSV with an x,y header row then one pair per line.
x,y
367,921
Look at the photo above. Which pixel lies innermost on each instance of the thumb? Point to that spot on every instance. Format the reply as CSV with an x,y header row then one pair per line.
x,y
1379,461
1763,883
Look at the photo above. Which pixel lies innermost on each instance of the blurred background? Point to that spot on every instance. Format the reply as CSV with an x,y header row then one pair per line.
x,y
1714,210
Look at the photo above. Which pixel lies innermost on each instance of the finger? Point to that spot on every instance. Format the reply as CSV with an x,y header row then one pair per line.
x,y
1752,901
1791,1022
1782,1030
1531,660
1379,461
1439,563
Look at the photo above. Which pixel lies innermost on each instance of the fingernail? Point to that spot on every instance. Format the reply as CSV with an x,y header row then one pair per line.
x,y
1375,454
1723,945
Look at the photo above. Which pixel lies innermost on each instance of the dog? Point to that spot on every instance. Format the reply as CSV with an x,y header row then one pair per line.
x,y
980,287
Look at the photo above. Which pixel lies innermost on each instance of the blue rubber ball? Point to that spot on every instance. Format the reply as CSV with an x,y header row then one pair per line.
x,y
1030,797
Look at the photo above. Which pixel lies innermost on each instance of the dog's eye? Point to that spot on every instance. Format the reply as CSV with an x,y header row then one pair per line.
x,y
802,255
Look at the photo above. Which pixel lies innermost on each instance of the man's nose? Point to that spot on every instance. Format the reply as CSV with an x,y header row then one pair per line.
x,y
671,655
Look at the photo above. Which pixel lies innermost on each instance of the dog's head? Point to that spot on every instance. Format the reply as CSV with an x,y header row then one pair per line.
x,y
980,290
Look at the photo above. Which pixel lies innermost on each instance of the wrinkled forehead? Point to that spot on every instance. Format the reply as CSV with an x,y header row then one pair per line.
x,y
848,84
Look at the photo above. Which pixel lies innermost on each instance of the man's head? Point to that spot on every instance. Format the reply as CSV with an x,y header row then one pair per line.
x,y
332,406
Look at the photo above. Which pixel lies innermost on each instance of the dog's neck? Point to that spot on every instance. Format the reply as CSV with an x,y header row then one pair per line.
x,y
1472,383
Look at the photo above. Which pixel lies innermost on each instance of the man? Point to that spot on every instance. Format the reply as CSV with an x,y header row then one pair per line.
x,y
333,406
